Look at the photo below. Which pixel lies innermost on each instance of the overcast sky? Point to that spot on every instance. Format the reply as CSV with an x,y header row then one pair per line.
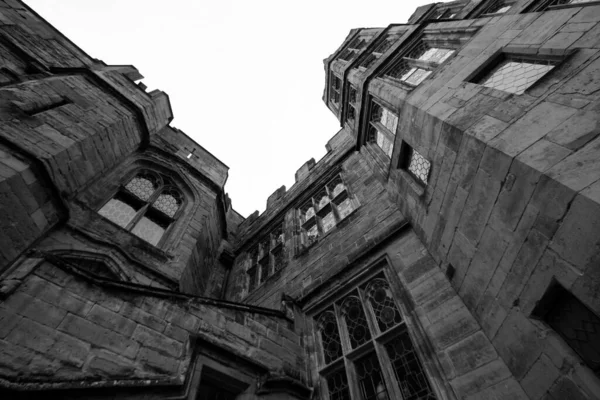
x,y
245,77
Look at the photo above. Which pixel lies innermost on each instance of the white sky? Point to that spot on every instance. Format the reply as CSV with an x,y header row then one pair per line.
x,y
245,77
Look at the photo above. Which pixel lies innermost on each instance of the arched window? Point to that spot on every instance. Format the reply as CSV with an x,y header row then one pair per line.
x,y
146,205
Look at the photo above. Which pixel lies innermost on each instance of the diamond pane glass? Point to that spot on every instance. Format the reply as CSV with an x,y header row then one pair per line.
x,y
118,212
345,208
419,166
337,385
370,379
380,297
143,185
330,337
328,222
515,76
148,230
354,316
168,202
578,326
408,370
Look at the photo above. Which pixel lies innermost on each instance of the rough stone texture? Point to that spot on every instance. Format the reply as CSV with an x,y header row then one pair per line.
x,y
511,206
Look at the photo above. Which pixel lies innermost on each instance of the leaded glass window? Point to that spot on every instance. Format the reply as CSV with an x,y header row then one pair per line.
x,y
496,7
366,351
146,205
324,210
335,89
266,257
351,104
515,75
550,4
382,127
418,63
384,45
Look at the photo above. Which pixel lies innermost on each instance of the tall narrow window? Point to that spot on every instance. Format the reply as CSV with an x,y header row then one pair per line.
x,y
418,63
147,206
335,89
357,44
266,258
496,7
351,105
365,331
382,127
515,74
324,210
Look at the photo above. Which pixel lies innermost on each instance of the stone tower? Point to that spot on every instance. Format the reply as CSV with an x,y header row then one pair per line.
x,y
445,247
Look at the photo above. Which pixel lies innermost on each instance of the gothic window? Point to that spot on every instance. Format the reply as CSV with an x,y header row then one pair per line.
x,y
495,8
324,210
574,322
418,63
351,104
382,127
357,45
365,349
543,5
267,257
147,206
390,38
515,74
414,163
335,89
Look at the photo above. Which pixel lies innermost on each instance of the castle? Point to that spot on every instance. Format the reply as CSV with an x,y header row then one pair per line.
x,y
447,246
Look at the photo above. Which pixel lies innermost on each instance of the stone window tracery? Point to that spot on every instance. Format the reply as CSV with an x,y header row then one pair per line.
x,y
335,89
365,349
267,257
147,205
418,63
324,210
382,127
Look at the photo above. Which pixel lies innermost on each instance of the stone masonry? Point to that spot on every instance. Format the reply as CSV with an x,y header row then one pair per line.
x,y
473,205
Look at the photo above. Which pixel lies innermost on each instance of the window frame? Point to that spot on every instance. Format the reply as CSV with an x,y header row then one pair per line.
x,y
166,182
322,211
429,66
506,54
258,255
404,161
333,91
378,340
545,5
378,127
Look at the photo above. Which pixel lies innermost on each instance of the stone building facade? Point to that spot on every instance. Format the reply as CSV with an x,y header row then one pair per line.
x,y
445,247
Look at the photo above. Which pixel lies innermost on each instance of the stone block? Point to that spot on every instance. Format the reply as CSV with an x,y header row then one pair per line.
x,y
110,365
460,256
507,389
520,272
479,206
580,169
565,388
142,317
53,294
452,328
518,343
578,236
487,128
533,126
480,378
470,353
490,314
110,320
69,350
484,263
540,378
513,199
158,362
157,341
8,321
32,335
99,336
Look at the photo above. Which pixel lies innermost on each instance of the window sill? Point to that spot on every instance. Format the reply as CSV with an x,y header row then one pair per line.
x,y
417,187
